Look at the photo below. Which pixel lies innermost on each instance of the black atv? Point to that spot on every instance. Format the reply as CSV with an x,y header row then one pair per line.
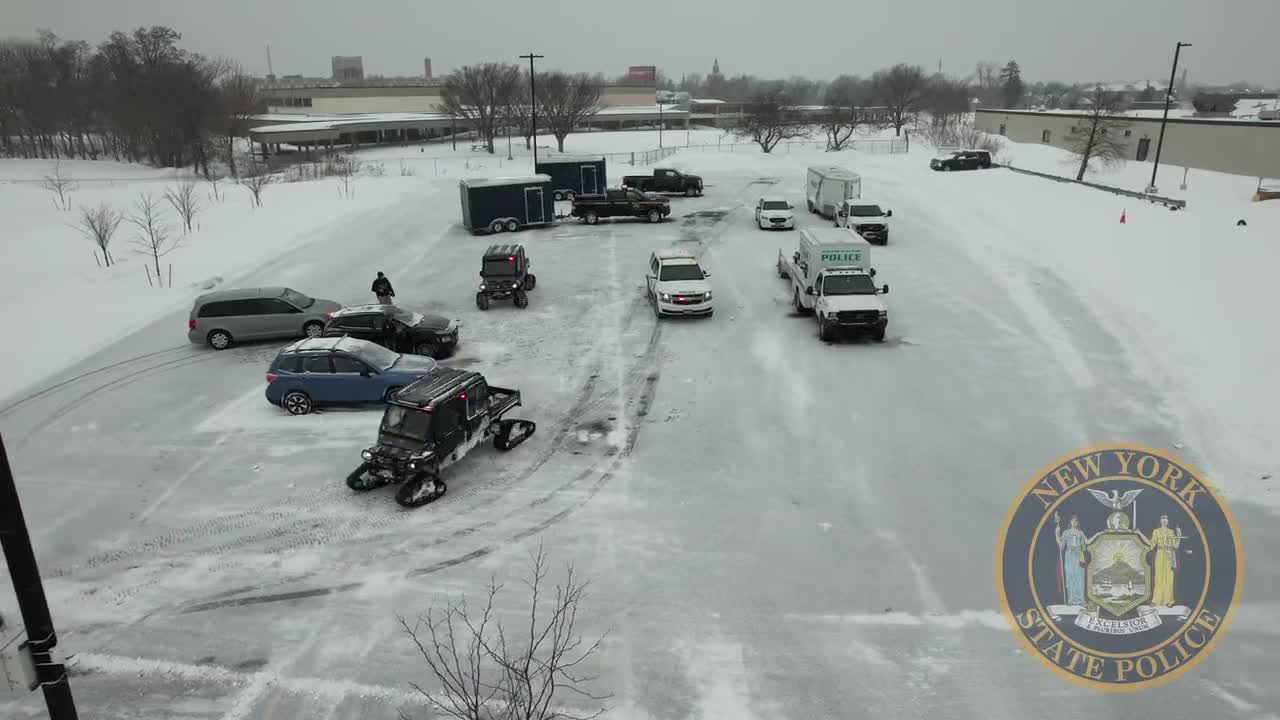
x,y
433,423
504,273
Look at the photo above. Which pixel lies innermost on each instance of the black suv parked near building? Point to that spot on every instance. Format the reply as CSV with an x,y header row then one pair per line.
x,y
962,160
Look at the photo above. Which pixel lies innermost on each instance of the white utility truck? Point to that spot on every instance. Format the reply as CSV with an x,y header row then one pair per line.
x,y
865,218
828,185
831,276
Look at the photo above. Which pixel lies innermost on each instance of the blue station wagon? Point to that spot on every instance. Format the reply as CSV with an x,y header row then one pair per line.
x,y
339,371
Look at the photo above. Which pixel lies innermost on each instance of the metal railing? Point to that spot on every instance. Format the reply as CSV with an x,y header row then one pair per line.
x,y
1172,203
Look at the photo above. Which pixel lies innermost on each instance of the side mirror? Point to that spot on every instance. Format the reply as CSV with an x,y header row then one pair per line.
x,y
481,273
790,206
808,290
885,289
365,372
706,274
873,272
888,213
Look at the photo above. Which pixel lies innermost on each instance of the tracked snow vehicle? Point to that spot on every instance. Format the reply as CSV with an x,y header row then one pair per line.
x,y
433,423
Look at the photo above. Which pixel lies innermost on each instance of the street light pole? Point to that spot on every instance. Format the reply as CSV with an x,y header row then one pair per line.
x,y
1168,99
50,676
533,109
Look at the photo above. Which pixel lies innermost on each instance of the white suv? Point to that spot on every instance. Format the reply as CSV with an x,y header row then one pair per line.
x,y
677,285
775,212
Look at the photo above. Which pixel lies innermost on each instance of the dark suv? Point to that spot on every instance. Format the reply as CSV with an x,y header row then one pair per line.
x,y
396,329
962,160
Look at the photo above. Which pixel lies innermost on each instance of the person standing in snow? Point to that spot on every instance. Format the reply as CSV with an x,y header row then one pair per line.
x,y
382,288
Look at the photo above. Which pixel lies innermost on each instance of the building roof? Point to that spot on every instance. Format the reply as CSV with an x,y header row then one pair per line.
x,y
500,181
1145,116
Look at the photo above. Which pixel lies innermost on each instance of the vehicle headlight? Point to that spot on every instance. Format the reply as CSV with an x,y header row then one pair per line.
x,y
482,286
664,296
367,454
413,465
884,314
515,285
706,295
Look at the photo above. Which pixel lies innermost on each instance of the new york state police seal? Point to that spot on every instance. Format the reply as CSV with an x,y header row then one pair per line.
x,y
1119,566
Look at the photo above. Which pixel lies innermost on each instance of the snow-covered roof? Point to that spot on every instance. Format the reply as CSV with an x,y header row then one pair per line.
x,y
675,254
499,181
706,101
329,343
570,159
833,236
641,110
834,171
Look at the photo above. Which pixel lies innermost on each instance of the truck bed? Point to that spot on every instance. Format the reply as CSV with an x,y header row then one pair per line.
x,y
502,400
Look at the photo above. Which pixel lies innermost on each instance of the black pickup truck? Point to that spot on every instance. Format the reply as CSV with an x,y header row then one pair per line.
x,y
665,180
620,203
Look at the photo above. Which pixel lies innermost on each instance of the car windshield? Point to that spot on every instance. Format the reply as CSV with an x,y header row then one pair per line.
x,y
297,299
408,317
848,285
775,205
500,266
680,272
377,356
866,211
413,424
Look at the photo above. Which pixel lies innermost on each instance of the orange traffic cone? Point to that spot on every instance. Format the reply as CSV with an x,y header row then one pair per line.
x,y
1122,216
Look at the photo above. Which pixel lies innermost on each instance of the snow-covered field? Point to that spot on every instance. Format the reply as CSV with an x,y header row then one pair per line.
x,y
774,527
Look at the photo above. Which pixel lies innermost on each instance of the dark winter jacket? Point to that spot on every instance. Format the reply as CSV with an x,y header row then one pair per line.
x,y
382,286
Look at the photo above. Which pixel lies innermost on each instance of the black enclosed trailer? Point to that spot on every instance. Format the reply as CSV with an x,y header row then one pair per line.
x,y
573,175
510,203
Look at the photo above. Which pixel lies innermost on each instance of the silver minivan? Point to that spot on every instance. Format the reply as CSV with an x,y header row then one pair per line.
x,y
226,316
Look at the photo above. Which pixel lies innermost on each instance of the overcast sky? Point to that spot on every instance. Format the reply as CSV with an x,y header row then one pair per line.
x,y
1072,40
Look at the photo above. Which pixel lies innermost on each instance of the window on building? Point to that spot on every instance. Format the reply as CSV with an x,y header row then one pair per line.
x,y
1044,136
1128,133
306,102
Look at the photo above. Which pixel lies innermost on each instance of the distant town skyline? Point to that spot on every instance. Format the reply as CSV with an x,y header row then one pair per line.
x,y
1232,42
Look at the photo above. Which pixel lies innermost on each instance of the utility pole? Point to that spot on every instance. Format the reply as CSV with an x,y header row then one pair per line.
x,y
533,109
661,124
1168,99
51,677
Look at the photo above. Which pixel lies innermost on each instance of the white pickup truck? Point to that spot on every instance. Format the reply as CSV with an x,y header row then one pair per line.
x,y
831,276
866,218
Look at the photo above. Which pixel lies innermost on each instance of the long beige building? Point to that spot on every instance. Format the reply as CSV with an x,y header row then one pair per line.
x,y
1239,147
365,99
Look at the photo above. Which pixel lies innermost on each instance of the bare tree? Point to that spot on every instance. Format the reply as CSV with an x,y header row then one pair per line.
x,y
901,89
99,225
215,191
946,100
346,167
987,83
153,237
256,178
238,100
768,120
488,673
60,185
1100,138
565,101
846,99
184,203
519,111
480,94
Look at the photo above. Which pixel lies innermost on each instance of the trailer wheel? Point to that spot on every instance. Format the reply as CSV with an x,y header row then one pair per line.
x,y
482,301
591,217
513,225
557,195
655,216
496,226
569,195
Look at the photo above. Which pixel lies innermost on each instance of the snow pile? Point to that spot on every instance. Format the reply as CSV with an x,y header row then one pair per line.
x,y
63,305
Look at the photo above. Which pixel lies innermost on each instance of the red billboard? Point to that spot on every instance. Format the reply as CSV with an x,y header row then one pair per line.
x,y
643,73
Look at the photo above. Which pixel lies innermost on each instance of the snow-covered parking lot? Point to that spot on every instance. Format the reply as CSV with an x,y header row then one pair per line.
x,y
774,527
